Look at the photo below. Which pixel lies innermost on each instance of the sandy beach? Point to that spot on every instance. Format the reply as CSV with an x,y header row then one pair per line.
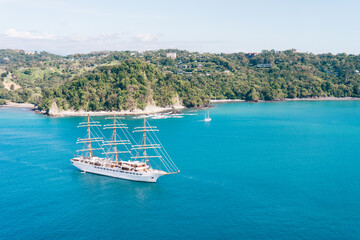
x,y
18,105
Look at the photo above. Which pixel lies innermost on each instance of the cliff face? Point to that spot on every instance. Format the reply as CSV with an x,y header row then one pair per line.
x,y
177,103
54,110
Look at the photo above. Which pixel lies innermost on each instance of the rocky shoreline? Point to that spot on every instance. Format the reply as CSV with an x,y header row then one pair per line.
x,y
71,113
54,111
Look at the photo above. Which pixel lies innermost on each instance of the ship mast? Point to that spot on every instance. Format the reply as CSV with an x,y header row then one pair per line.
x,y
115,149
146,128
115,142
146,145
146,159
89,133
88,140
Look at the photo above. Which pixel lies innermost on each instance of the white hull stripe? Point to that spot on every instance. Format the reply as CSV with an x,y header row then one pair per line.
x,y
117,173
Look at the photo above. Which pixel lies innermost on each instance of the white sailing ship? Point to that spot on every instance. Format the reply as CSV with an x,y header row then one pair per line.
x,y
123,157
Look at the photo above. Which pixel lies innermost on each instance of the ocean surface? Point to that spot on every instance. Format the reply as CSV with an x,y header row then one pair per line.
x,y
287,170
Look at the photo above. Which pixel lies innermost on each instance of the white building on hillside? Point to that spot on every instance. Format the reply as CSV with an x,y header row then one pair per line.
x,y
171,55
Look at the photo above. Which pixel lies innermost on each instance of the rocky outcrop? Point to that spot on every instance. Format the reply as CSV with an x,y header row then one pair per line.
x,y
177,103
149,109
54,110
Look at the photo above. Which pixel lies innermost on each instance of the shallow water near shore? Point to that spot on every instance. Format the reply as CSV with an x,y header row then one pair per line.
x,y
287,170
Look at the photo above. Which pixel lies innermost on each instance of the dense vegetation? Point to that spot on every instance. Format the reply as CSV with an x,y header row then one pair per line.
x,y
132,84
128,80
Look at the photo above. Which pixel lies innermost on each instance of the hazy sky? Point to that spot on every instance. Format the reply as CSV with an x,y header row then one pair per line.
x,y
71,26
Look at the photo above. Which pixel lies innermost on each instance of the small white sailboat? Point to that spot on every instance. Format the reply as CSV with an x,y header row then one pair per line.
x,y
207,118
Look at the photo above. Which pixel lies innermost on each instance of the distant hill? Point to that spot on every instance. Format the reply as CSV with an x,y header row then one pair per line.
x,y
124,80
130,85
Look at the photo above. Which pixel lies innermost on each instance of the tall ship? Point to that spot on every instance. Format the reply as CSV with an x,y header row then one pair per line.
x,y
121,156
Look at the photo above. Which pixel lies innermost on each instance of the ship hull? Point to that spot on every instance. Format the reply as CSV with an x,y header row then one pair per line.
x,y
118,173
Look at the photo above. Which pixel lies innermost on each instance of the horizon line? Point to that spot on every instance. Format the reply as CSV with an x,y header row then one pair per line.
x,y
177,49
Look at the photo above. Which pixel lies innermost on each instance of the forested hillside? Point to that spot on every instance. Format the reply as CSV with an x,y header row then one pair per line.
x,y
132,84
127,80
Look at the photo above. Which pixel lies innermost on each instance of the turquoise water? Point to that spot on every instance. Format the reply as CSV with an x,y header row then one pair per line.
x,y
287,170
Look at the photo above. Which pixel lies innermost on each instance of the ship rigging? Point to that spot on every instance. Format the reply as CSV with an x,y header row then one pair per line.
x,y
145,161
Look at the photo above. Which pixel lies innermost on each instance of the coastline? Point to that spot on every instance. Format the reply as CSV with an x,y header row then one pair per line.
x,y
147,110
289,99
18,105
226,100
152,109
323,99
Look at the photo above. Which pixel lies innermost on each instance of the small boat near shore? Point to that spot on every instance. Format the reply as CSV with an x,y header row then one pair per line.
x,y
167,115
207,118
160,117
143,116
